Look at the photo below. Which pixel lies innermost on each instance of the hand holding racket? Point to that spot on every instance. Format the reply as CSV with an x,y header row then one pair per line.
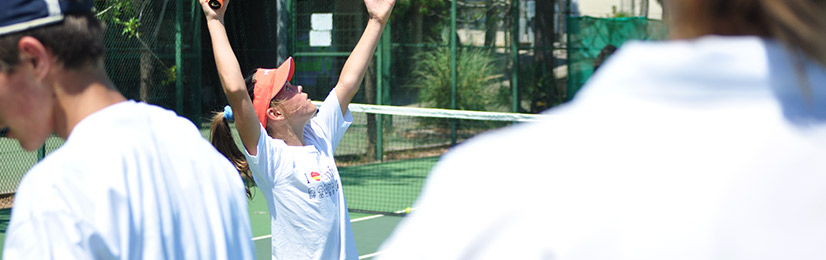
x,y
214,9
216,4
379,9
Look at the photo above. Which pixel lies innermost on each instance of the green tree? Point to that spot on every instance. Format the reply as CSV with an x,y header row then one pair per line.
x,y
415,11
119,12
126,15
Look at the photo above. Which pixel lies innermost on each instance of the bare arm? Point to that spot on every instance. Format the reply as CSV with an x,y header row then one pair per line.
x,y
353,72
232,80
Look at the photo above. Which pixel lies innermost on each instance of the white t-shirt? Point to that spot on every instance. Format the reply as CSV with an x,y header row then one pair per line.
x,y
132,181
701,149
303,189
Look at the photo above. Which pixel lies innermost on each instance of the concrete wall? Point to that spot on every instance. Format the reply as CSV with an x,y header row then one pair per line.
x,y
602,8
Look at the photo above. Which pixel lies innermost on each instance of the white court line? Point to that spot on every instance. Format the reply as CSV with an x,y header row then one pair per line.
x,y
369,255
351,221
366,218
261,237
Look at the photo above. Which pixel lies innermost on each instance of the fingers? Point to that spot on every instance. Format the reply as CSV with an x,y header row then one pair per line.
x,y
214,9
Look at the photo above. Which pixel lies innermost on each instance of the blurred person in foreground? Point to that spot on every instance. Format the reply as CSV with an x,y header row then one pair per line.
x,y
709,146
132,180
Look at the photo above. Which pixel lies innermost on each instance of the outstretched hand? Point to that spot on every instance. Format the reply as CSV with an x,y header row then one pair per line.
x,y
379,9
213,13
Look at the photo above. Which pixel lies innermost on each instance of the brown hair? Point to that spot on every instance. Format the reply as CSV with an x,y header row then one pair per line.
x,y
603,55
220,135
800,25
77,41
221,138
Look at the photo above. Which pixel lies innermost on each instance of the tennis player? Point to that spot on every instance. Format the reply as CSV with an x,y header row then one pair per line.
x,y
288,151
132,180
708,146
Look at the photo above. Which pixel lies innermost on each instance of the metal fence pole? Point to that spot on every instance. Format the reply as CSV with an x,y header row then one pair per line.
x,y
41,152
453,68
281,29
515,50
196,73
179,75
291,28
382,87
569,90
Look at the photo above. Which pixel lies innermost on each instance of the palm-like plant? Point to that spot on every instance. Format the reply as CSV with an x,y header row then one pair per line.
x,y
477,79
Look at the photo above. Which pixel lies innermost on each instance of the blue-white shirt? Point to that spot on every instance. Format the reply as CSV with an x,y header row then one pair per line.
x,y
132,181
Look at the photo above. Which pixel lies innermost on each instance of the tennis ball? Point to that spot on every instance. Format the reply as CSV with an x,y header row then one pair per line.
x,y
407,210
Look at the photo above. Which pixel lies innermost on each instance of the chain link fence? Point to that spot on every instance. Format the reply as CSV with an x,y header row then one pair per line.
x,y
488,55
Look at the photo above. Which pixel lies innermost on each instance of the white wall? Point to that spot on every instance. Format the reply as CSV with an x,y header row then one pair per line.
x,y
602,8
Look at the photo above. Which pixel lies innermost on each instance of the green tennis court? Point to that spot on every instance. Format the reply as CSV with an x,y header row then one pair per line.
x,y
389,186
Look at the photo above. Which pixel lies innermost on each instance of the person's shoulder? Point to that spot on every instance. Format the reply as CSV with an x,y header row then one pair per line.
x,y
158,122
44,180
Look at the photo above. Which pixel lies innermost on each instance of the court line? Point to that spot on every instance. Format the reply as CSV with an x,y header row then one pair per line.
x,y
370,255
262,237
378,216
351,221
366,218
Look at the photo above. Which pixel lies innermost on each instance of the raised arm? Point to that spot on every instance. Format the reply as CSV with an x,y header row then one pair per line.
x,y
353,72
232,80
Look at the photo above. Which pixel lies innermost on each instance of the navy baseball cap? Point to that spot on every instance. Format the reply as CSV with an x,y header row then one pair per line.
x,y
21,15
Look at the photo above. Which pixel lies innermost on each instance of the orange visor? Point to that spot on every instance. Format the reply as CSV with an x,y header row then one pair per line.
x,y
268,82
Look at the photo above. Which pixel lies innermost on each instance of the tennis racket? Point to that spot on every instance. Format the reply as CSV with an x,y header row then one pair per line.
x,y
216,4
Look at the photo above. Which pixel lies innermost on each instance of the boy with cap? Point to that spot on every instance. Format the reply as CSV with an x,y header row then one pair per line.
x,y
132,180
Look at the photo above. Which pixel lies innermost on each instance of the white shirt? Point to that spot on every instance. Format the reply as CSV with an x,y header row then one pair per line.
x,y
701,149
132,181
302,188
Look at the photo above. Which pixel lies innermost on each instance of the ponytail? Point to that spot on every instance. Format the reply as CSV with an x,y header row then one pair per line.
x,y
220,134
222,140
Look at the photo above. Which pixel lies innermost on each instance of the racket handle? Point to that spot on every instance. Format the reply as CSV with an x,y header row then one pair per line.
x,y
216,4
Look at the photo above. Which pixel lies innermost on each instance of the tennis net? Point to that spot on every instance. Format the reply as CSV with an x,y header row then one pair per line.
x,y
388,151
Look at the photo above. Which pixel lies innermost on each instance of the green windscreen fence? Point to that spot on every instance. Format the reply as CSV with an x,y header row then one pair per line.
x,y
587,36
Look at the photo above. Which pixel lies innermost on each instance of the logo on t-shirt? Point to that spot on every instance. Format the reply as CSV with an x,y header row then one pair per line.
x,y
316,176
326,190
